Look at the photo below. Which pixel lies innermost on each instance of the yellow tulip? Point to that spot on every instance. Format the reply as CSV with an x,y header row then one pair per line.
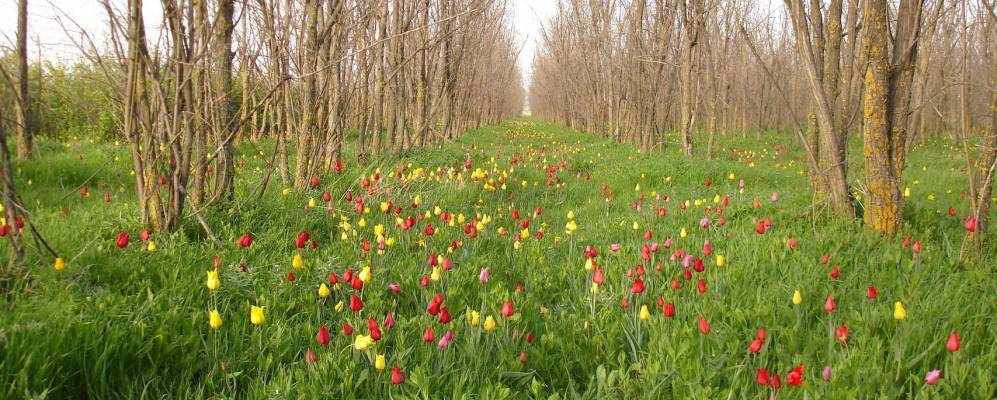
x,y
489,323
379,230
365,275
417,200
517,245
435,275
311,202
151,247
473,317
571,214
214,319
588,264
339,306
256,315
595,288
644,314
682,233
636,226
797,298
570,227
323,291
297,262
285,192
59,264
379,362
720,260
362,342
899,313
212,282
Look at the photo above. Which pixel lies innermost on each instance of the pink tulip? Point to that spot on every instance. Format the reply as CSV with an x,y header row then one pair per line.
x,y
932,377
615,247
775,197
704,223
483,275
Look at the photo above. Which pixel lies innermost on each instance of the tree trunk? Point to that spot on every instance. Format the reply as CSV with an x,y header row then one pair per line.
x,y
23,102
225,178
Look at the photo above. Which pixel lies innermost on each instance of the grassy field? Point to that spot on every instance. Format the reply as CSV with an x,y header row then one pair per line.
x,y
133,322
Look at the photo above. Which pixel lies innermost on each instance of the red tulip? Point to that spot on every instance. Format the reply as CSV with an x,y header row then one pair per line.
x,y
871,293
951,212
310,357
428,336
597,278
144,235
507,310
323,336
302,239
841,334
824,259
314,181
795,377
829,305
347,329
792,243
668,310
522,357
122,241
755,345
338,166
834,272
701,286
953,343
906,242
775,383
445,316
760,228
970,224
291,277
637,287
355,303
762,376
917,247
245,240
397,377
704,326
429,230
375,331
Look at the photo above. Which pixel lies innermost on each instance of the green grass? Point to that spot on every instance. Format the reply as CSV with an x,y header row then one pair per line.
x,y
129,323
